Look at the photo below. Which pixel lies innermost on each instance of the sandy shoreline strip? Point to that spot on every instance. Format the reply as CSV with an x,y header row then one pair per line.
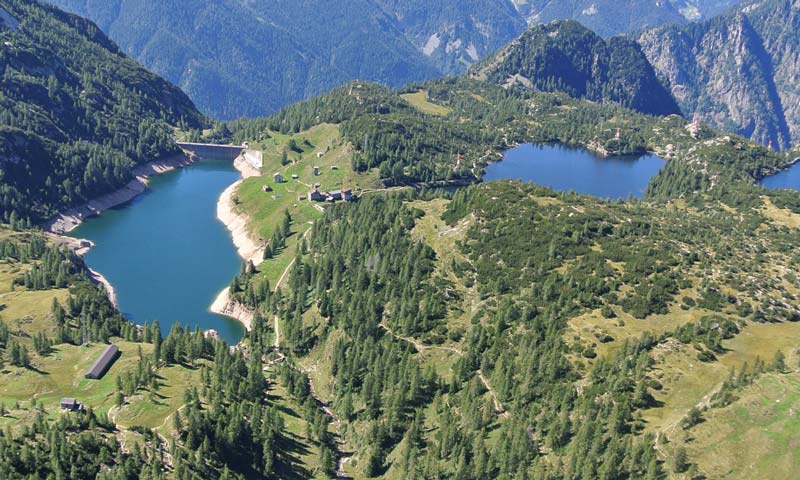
x,y
80,247
248,248
69,220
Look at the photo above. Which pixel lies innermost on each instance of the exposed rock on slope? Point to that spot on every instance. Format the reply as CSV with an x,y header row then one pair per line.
x,y
613,17
456,33
568,57
740,72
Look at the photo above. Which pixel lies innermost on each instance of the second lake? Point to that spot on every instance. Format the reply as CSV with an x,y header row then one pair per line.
x,y
564,168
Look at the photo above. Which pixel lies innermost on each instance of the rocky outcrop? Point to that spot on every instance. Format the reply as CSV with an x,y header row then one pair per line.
x,y
566,56
613,17
738,72
223,305
455,33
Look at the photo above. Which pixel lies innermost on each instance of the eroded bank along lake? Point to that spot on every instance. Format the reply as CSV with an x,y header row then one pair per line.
x,y
564,168
165,252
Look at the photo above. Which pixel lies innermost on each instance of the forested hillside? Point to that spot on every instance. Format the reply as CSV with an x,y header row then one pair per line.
x,y
737,71
507,331
409,146
252,58
565,56
77,114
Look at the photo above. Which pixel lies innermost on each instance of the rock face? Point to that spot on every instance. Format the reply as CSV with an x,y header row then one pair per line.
x,y
739,72
613,17
456,33
565,56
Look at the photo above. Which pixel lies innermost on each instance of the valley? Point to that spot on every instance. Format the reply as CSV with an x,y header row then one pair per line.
x,y
503,274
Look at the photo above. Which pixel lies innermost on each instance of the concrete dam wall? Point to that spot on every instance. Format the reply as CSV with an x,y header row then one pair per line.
x,y
207,150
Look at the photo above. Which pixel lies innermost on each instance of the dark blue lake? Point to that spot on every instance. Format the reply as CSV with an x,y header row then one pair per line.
x,y
165,252
789,178
563,168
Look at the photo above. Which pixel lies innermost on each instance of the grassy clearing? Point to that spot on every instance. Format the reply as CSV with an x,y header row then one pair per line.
x,y
420,101
688,381
321,146
156,411
29,311
780,215
758,436
591,326
60,374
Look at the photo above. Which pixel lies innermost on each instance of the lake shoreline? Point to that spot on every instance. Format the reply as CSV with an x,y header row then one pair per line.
x,y
247,248
80,247
70,219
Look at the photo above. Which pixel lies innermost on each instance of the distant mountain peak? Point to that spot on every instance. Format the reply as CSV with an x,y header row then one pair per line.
x,y
563,55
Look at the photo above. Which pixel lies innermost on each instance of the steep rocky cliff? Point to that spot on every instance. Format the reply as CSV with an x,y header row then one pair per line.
x,y
613,17
566,56
738,72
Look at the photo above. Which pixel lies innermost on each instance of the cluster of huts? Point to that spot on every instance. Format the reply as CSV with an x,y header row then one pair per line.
x,y
316,195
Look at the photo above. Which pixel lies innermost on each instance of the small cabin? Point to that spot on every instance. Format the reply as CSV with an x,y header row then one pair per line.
x,y
266,188
316,196
320,154
70,404
278,177
295,176
347,194
301,198
103,362
316,171
335,195
334,167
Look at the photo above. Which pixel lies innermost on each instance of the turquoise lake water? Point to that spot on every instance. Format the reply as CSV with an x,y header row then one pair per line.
x,y
566,168
165,252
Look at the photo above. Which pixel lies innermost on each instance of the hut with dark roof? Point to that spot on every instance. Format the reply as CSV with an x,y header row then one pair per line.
x,y
103,362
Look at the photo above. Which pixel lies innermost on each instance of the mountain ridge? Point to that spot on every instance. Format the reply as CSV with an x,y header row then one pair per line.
x,y
564,55
736,71
77,113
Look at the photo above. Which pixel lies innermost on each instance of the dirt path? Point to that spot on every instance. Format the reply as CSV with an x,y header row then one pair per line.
x,y
498,405
343,457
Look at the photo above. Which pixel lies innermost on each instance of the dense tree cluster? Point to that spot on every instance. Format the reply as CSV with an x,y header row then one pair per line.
x,y
566,56
76,115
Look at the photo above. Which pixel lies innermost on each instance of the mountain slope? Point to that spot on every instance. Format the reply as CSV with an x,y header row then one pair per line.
x,y
237,58
738,71
566,56
456,34
249,58
76,114
613,17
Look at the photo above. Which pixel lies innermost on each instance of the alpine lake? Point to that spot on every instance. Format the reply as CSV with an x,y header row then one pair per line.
x,y
168,256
